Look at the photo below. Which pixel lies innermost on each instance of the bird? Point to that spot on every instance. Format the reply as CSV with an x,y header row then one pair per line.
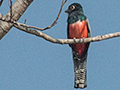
x,y
78,27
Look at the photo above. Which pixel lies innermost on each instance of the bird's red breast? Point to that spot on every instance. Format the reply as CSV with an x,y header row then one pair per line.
x,y
78,30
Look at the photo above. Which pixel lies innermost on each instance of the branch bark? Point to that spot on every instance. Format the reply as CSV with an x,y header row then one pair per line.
x,y
66,41
18,9
60,41
1,2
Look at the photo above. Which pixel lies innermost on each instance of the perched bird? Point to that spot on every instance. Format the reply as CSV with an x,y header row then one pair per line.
x,y
78,27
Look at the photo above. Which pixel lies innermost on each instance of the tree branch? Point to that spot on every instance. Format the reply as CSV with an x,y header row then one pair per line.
x,y
66,41
15,13
1,2
18,9
60,41
10,5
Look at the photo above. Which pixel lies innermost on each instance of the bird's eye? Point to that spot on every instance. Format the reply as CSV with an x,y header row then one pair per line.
x,y
72,7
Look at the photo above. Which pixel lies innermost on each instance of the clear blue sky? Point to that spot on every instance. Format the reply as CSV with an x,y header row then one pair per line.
x,y
28,62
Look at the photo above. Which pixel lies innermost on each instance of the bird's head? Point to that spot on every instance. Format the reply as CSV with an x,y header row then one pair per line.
x,y
74,7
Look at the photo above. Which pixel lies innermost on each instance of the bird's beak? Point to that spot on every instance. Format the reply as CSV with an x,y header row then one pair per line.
x,y
67,11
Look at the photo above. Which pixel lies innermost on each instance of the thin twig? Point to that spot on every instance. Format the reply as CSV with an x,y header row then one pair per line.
x,y
25,21
10,5
1,2
63,2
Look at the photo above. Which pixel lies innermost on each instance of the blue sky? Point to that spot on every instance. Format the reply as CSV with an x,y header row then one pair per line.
x,y
28,62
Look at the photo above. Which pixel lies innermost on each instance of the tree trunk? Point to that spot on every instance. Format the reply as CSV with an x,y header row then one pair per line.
x,y
18,9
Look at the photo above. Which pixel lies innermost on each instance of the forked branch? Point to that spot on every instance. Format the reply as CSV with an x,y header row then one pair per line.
x,y
66,41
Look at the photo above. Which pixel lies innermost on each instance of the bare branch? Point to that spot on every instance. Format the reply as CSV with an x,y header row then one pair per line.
x,y
66,41
10,10
1,2
63,2
18,9
61,41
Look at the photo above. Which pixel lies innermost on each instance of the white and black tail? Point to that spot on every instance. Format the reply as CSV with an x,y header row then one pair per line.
x,y
80,70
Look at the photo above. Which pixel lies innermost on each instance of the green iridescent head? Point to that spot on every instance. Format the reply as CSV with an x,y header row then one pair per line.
x,y
74,7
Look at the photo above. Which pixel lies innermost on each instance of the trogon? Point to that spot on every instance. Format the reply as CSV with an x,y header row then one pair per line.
x,y
78,27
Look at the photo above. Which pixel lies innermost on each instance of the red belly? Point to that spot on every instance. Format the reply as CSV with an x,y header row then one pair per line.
x,y
78,30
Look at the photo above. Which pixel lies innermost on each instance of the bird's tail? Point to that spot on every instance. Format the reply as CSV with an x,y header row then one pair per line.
x,y
80,70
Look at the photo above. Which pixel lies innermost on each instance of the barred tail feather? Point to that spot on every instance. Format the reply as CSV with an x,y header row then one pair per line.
x,y
80,70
